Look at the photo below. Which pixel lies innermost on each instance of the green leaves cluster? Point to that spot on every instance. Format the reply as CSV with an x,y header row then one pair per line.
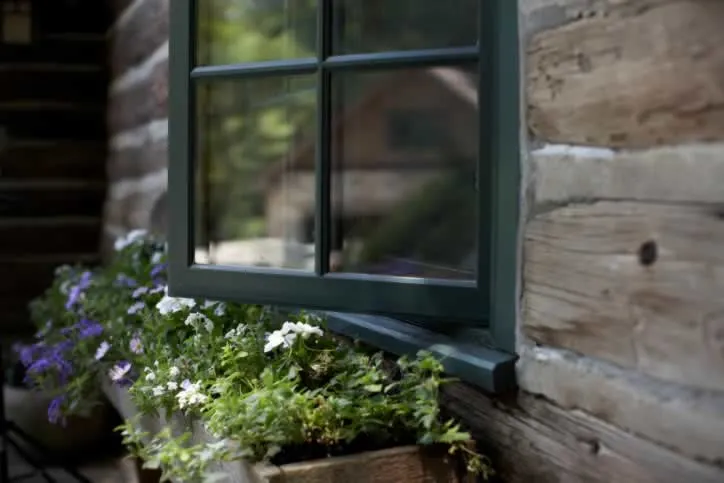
x,y
260,384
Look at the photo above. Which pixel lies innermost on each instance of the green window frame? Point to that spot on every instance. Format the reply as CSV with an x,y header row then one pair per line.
x,y
372,307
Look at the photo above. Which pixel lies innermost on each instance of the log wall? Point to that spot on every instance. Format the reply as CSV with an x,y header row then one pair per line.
x,y
621,326
137,117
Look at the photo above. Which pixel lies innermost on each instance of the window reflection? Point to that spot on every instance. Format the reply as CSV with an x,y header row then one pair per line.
x,y
236,31
383,25
252,202
404,151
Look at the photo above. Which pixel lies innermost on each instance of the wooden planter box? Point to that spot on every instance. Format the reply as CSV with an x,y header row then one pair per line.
x,y
407,464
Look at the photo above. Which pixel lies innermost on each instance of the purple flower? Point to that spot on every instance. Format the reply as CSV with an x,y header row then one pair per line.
x,y
102,350
77,290
88,328
158,270
119,373
136,308
55,414
136,345
139,291
125,281
51,359
27,352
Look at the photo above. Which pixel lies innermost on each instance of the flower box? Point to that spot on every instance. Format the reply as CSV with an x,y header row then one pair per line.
x,y
406,464
120,399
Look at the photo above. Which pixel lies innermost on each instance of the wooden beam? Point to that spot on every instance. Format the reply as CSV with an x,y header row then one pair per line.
x,y
651,74
532,440
637,284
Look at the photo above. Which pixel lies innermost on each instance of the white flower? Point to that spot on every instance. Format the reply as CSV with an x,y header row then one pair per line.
x,y
305,330
190,395
159,391
170,305
220,310
135,308
118,371
236,332
156,258
172,386
174,372
150,376
286,336
196,320
128,239
278,338
102,350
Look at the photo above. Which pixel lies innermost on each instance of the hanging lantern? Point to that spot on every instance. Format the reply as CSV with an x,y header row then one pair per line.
x,y
17,21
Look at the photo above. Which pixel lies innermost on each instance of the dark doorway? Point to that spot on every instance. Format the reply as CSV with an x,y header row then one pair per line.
x,y
53,86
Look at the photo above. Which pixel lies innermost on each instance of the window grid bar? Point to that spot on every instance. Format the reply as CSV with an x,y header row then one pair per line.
x,y
405,58
256,69
323,161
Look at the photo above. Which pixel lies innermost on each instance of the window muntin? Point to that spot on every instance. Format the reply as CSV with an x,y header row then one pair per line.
x,y
417,297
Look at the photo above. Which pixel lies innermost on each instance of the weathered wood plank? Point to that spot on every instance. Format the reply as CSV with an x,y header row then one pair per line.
x,y
633,283
38,199
532,440
53,160
49,236
684,419
141,103
83,86
408,464
651,75
46,122
59,51
139,34
690,173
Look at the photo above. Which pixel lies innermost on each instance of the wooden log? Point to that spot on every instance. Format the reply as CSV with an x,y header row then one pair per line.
x,y
684,174
533,440
637,284
53,160
652,74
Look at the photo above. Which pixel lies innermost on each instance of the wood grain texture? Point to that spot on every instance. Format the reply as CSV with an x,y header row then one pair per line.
x,y
410,464
588,286
43,160
532,440
632,73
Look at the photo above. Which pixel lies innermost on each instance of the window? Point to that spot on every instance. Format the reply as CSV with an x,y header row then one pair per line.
x,y
17,21
285,189
416,129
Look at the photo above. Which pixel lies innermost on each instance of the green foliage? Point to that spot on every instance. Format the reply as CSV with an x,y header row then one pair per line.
x,y
260,383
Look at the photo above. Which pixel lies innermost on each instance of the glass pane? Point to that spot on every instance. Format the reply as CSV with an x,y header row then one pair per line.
x,y
382,25
236,31
404,155
255,172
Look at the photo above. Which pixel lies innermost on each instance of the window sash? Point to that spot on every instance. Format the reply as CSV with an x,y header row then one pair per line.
x,y
478,300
